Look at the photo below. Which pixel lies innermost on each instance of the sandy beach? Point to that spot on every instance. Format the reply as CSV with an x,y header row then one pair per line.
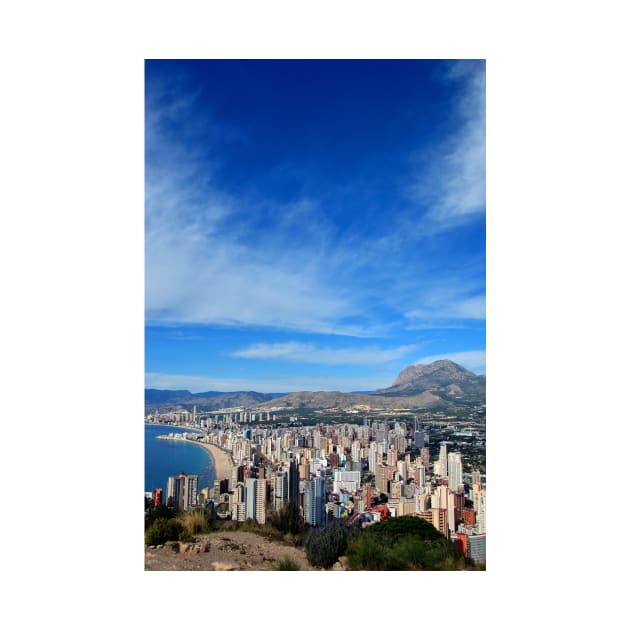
x,y
222,460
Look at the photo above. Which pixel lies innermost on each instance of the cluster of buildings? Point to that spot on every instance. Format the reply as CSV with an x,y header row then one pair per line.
x,y
365,473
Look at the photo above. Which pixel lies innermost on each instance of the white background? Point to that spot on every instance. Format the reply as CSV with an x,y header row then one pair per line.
x,y
71,242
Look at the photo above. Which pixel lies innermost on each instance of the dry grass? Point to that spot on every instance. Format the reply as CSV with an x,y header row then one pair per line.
x,y
194,522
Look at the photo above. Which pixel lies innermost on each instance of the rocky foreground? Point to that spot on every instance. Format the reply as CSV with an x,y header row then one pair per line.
x,y
223,551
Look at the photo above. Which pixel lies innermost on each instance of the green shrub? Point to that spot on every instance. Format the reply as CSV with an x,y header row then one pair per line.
x,y
162,530
365,553
401,544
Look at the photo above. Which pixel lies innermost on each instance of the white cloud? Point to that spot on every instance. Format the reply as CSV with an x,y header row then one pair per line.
x,y
208,261
205,265
309,353
439,307
474,360
453,181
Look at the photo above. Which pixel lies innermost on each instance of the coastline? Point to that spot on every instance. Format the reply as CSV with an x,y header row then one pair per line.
x,y
222,459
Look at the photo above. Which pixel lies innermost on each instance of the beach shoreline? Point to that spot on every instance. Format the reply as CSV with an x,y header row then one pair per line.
x,y
222,459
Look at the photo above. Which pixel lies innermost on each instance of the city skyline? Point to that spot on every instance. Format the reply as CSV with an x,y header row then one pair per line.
x,y
312,225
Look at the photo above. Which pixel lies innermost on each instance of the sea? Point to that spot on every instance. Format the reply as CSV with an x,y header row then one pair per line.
x,y
169,458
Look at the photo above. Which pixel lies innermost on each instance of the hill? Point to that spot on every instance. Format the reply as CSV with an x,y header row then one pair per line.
x,y
216,400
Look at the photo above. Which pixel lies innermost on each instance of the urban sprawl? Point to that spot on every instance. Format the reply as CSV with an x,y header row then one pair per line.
x,y
388,465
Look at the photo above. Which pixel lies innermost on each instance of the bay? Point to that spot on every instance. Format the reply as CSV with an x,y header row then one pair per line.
x,y
169,458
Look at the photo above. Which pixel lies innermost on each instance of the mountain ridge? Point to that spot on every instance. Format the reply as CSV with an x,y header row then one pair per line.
x,y
442,383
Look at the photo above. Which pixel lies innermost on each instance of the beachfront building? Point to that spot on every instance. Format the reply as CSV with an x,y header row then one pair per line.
x,y
181,491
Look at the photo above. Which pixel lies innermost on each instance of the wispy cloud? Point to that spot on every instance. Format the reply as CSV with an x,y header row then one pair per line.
x,y
309,353
442,308
234,259
452,185
474,360
206,264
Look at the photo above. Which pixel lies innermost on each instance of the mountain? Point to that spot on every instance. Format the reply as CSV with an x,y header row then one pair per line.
x,y
215,400
449,381
443,378
339,400
441,384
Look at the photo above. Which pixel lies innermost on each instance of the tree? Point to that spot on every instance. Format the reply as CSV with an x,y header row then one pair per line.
x,y
403,543
325,544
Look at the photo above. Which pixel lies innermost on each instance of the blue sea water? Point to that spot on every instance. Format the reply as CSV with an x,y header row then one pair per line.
x,y
168,458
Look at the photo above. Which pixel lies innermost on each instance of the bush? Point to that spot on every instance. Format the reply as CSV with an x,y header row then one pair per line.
x,y
364,553
159,511
403,543
287,519
325,544
162,530
286,564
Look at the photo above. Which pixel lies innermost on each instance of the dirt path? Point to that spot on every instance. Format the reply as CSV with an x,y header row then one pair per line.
x,y
223,551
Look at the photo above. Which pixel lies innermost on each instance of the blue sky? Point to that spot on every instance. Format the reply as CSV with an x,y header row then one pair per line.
x,y
311,224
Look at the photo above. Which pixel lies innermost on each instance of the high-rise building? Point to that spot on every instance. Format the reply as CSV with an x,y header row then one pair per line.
x,y
420,476
392,456
261,499
476,544
293,482
304,468
481,512
315,502
181,491
443,461
455,472
250,497
372,456
280,489
418,439
380,478
424,456
440,520
156,496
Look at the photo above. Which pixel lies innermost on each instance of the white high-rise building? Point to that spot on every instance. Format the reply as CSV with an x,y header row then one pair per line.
x,y
455,471
372,459
261,492
421,478
451,512
280,490
443,461
481,512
